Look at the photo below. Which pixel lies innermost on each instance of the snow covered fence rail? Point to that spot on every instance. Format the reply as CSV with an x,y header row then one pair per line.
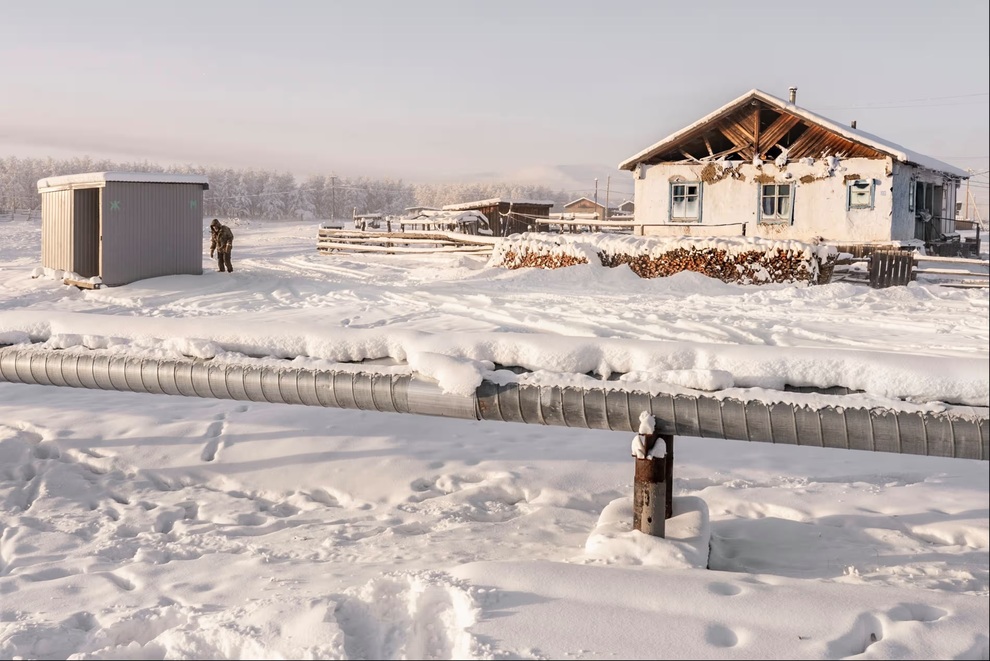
x,y
746,260
960,432
409,242
892,267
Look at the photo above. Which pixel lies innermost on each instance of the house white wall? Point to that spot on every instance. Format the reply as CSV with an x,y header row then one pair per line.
x,y
733,196
906,177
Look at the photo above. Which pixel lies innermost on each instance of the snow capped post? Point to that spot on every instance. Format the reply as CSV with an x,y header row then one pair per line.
x,y
653,482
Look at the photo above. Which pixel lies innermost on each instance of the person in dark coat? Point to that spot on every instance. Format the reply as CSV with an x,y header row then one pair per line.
x,y
221,242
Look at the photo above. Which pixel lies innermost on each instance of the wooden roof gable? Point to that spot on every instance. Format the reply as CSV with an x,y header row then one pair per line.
x,y
754,127
758,124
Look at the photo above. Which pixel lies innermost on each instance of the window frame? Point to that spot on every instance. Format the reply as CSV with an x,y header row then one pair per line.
x,y
849,194
670,202
775,219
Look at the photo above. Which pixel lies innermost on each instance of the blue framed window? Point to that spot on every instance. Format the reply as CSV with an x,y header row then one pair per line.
x,y
777,203
859,194
685,202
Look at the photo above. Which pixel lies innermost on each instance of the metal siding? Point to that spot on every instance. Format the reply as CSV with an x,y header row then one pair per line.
x,y
86,231
56,230
151,230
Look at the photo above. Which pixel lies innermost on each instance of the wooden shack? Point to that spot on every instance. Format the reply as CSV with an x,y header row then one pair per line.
x,y
507,216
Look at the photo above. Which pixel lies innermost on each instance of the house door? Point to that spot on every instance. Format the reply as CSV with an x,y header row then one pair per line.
x,y
938,209
86,232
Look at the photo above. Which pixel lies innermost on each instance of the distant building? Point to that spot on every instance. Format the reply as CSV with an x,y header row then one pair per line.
x,y
414,211
584,205
627,208
507,216
465,222
765,165
123,226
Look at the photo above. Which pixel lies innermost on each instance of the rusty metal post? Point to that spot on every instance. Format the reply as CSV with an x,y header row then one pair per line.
x,y
652,489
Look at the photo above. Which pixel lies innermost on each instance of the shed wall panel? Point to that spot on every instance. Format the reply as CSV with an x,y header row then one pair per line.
x,y
150,230
56,230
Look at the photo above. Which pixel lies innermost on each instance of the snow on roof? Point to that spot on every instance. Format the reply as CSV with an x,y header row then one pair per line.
x,y
896,151
583,198
465,206
97,179
455,217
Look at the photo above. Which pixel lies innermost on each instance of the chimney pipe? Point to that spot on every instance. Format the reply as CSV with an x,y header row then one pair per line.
x,y
792,95
853,125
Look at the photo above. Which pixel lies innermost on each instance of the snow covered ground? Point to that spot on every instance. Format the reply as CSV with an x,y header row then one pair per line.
x,y
142,526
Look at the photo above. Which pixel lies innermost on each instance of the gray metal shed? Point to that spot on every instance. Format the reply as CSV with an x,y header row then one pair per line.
x,y
123,226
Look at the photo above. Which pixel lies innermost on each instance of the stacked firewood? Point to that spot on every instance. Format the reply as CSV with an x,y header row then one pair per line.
x,y
744,266
541,259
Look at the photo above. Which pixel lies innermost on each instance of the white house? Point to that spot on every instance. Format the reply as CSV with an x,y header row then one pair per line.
x,y
762,166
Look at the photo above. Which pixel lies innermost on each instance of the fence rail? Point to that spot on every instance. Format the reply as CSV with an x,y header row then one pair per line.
x,y
409,243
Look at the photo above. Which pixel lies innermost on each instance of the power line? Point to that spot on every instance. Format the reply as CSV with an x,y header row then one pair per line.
x,y
896,104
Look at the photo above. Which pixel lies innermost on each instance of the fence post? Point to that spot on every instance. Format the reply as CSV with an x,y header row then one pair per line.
x,y
653,488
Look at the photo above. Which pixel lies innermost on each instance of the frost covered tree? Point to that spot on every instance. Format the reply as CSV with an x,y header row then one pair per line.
x,y
254,193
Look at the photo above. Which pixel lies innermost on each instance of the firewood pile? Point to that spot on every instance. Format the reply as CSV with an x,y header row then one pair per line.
x,y
751,262
520,259
745,267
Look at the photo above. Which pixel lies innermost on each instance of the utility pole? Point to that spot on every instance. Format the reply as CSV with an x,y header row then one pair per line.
x,y
333,197
596,196
608,183
970,171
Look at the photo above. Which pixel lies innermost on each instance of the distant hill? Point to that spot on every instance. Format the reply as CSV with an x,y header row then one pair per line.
x,y
576,179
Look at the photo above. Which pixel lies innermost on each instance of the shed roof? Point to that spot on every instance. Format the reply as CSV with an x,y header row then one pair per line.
x,y
99,179
465,206
586,199
891,149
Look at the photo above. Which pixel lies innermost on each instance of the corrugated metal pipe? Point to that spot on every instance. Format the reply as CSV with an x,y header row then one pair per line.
x,y
943,434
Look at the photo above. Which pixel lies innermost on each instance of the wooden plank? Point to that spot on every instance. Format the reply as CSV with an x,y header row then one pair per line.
x,y
479,239
82,284
965,285
778,130
351,247
883,274
411,241
756,130
733,133
798,148
956,272
954,260
708,145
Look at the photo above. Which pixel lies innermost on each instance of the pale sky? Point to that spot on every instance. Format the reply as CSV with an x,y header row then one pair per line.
x,y
443,90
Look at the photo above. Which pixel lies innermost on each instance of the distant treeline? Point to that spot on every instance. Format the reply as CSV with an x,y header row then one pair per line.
x,y
269,195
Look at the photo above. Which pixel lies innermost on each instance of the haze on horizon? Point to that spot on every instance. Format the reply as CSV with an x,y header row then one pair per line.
x,y
439,90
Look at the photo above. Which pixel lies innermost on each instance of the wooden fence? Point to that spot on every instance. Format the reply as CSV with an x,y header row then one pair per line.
x,y
891,267
409,243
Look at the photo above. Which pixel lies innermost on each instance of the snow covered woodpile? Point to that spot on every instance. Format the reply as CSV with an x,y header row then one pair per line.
x,y
743,260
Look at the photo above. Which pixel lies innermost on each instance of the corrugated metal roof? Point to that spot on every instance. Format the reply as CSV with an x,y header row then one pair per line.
x,y
98,179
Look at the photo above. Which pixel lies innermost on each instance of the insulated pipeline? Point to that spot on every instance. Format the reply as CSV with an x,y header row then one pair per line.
x,y
944,434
